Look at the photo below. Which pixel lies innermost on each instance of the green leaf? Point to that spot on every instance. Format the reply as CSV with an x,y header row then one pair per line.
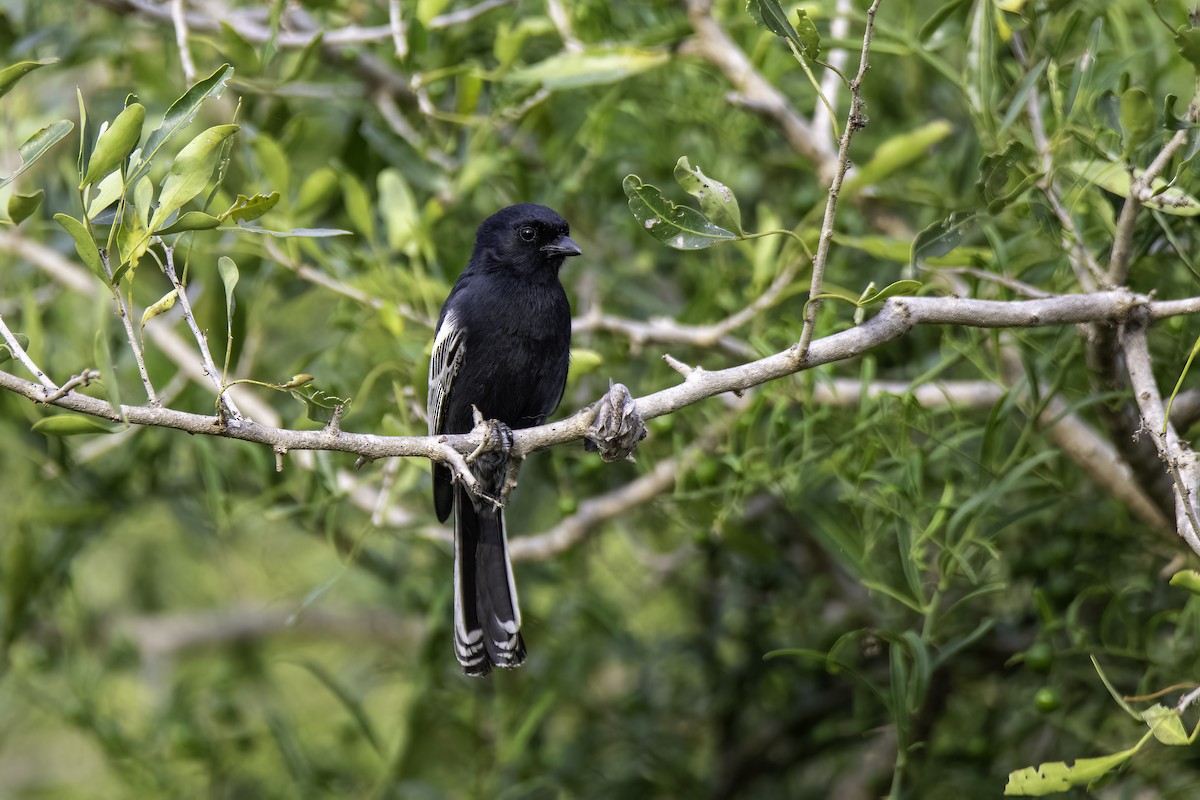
x,y
245,209
1187,39
897,289
900,251
572,70
809,37
319,404
190,221
899,152
238,50
10,75
716,199
180,115
84,245
1115,178
401,216
37,146
190,172
941,237
1054,777
1138,119
680,227
317,191
6,352
584,360
116,143
73,425
229,277
102,353
294,233
770,16
108,191
1166,725
22,206
162,306
358,206
939,18
1187,579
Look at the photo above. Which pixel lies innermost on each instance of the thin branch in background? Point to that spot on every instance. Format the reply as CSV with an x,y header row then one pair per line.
x,y
84,378
752,90
14,346
831,81
210,368
135,344
399,32
179,20
855,120
1087,271
562,23
1141,190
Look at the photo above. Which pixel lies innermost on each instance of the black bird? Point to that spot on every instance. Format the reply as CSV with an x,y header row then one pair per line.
x,y
502,346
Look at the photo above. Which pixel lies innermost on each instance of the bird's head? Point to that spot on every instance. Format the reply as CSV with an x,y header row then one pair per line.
x,y
527,238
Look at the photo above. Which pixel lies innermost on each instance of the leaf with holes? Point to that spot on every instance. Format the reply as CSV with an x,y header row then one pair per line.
x,y
680,227
716,199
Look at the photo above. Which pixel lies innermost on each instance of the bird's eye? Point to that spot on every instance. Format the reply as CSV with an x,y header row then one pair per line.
x,y
527,233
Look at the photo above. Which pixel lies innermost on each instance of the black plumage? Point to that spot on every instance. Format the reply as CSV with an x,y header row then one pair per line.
x,y
502,346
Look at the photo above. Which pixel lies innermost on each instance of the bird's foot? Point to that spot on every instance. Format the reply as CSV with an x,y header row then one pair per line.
x,y
497,437
617,427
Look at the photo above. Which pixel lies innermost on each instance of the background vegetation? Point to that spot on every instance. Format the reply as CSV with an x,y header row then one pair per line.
x,y
839,585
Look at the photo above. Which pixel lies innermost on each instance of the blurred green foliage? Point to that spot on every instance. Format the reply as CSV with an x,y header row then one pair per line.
x,y
833,601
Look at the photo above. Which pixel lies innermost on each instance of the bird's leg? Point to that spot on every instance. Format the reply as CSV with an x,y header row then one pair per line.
x,y
617,427
492,464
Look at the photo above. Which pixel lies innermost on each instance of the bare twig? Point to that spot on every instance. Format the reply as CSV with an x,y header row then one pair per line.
x,y
14,345
855,120
1182,463
1141,190
562,23
210,368
82,379
831,81
179,20
399,32
135,344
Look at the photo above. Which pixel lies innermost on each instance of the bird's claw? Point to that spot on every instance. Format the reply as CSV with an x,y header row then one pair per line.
x,y
617,427
497,437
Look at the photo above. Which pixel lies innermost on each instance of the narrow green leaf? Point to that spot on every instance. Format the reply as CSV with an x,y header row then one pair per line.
x,y
716,199
108,191
10,75
899,152
102,353
162,306
349,701
6,352
180,115
941,237
238,50
38,145
1115,178
190,172
770,16
246,209
897,289
84,245
116,143
1057,776
73,425
680,227
294,233
1138,119
572,70
229,277
358,206
939,18
317,191
1187,579
190,221
22,206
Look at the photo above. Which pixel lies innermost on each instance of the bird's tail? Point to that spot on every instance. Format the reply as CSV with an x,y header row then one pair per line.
x,y
487,616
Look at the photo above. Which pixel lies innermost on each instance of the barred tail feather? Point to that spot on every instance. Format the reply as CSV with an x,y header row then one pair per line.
x,y
487,614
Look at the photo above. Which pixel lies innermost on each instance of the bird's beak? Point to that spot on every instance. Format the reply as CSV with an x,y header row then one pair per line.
x,y
562,246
